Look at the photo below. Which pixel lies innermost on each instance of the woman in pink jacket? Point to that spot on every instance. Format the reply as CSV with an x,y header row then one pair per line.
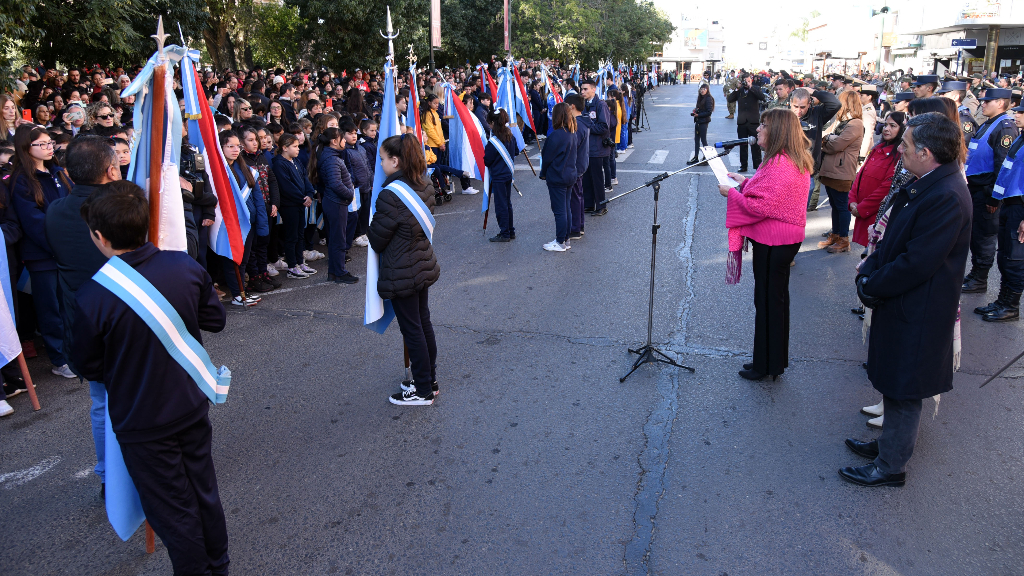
x,y
770,210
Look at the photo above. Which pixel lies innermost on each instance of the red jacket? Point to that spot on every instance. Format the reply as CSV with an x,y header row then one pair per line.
x,y
870,186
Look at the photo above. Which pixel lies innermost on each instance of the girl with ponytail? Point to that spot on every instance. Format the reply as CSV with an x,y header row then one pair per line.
x,y
501,173
408,266
331,178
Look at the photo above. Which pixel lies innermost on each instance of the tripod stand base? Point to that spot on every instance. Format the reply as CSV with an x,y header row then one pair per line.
x,y
648,354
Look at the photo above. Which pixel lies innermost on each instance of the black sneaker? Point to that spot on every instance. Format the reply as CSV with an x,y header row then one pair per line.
x,y
271,281
411,398
410,385
600,212
500,238
575,235
347,278
14,388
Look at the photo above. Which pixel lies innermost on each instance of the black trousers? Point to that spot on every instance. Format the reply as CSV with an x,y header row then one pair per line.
x,y
293,222
593,184
743,131
1010,254
700,137
984,229
178,489
899,434
771,305
413,315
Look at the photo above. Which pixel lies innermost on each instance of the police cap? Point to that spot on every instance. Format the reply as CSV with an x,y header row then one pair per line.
x,y
926,79
904,96
996,94
951,85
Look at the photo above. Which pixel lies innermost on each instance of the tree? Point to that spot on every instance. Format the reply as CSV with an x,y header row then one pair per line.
x,y
265,25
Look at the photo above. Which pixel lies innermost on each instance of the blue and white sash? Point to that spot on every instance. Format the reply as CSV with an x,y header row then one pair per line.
x,y
503,152
142,297
356,202
415,205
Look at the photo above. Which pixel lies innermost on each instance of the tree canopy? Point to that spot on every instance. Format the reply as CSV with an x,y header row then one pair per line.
x,y
338,34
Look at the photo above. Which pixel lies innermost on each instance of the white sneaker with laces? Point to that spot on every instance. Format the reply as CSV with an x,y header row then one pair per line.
x,y
554,246
272,270
249,301
297,272
361,241
63,371
615,181
5,408
311,255
470,191
307,268
280,264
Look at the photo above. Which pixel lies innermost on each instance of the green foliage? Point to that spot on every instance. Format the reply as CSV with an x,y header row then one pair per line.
x,y
272,32
15,16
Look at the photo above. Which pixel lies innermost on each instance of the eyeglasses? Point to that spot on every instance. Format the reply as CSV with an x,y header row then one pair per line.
x,y
43,145
246,108
104,116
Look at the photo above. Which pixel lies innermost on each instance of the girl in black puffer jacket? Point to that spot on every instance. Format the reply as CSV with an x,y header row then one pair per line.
x,y
408,266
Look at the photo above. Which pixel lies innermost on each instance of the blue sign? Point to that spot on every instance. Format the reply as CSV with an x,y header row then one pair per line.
x,y
965,43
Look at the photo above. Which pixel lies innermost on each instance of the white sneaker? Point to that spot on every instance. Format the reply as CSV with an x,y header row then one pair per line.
x,y
311,255
629,146
615,181
470,191
5,408
280,264
63,371
875,410
309,270
249,301
323,241
361,241
272,270
554,246
466,175
297,272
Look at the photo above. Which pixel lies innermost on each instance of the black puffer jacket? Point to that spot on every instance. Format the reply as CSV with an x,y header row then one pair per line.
x,y
407,261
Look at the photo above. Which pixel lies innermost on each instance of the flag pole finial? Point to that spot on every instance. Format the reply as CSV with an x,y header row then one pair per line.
x,y
412,56
391,35
160,37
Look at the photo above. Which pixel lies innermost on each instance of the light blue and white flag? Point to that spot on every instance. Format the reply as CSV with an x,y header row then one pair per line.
x,y
10,344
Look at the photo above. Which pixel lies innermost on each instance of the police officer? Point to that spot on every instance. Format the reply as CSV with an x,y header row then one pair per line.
x,y
901,100
956,91
905,83
985,155
1009,190
731,85
925,86
970,99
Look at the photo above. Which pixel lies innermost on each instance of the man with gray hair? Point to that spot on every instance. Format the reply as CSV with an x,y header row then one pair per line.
x,y
912,282
91,163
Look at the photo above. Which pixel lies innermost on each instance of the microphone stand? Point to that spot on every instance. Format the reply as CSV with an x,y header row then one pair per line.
x,y
648,353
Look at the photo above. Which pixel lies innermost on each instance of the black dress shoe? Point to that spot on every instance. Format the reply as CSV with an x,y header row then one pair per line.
x,y
870,475
754,375
347,278
599,212
500,238
865,449
748,366
857,310
692,161
864,365
742,169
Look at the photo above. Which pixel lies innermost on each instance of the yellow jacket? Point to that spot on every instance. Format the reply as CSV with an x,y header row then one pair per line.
x,y
432,131
618,125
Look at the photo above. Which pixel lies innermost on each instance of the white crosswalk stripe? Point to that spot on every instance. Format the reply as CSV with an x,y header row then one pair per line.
x,y
658,157
624,154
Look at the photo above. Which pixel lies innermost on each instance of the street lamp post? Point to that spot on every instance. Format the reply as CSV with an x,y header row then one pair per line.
x,y
881,36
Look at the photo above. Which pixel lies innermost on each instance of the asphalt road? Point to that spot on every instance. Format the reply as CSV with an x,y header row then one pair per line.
x,y
536,459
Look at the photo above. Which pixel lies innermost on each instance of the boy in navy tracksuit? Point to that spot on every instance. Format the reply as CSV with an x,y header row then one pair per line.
x,y
583,124
362,175
157,411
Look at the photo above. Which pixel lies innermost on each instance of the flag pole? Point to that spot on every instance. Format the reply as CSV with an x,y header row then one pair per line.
x,y
28,381
156,147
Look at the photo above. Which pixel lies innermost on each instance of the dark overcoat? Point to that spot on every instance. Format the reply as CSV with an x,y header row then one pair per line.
x,y
918,270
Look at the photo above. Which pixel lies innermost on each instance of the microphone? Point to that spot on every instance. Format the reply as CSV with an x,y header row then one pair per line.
x,y
751,140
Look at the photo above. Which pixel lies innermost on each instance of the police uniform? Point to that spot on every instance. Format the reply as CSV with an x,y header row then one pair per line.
x,y
971,101
1009,190
967,124
985,155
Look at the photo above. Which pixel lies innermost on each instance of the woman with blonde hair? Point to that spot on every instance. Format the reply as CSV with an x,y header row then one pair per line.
x,y
99,114
770,211
10,117
840,159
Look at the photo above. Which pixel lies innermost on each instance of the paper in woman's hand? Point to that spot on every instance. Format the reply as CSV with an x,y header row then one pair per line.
x,y
721,173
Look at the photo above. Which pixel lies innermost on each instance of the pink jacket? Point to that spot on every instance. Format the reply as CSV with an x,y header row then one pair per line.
x,y
770,207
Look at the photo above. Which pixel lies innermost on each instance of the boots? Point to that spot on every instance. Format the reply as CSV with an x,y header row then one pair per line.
x,y
832,239
1008,309
992,306
976,281
841,245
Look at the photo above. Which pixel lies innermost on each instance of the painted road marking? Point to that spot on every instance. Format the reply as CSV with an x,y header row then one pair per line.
x,y
659,157
624,154
14,479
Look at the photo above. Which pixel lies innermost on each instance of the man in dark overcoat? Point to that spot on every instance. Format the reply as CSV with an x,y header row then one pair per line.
x,y
749,99
912,281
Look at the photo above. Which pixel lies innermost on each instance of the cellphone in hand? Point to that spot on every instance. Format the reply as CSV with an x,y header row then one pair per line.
x,y
26,115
